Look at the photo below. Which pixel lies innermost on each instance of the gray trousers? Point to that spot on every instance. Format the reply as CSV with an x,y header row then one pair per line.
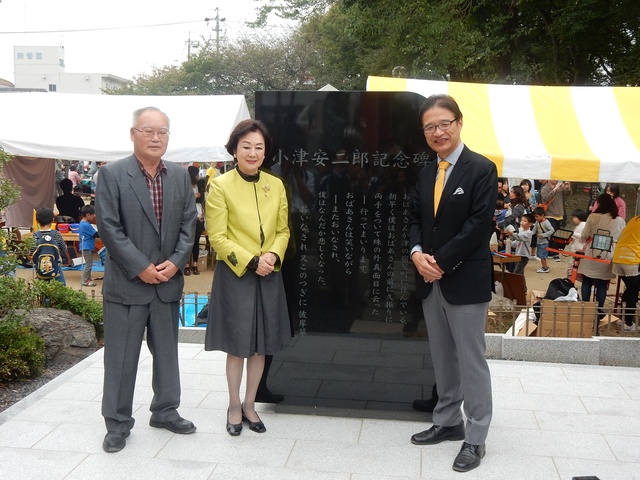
x,y
456,339
124,327
87,255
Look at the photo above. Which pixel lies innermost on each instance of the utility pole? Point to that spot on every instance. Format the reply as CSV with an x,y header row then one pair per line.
x,y
191,43
217,29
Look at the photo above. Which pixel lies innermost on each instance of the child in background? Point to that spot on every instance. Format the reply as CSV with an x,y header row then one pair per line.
x,y
500,212
87,235
47,268
579,218
522,243
543,230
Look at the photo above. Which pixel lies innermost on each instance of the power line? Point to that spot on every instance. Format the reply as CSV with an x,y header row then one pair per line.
x,y
101,29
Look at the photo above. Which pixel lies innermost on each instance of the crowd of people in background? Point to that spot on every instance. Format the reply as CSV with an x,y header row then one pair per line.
x,y
528,212
76,183
529,215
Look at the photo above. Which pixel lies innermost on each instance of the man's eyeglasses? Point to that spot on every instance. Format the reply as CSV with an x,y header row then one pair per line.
x,y
446,125
150,132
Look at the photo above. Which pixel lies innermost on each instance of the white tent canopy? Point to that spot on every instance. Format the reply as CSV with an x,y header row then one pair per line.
x,y
96,127
39,127
588,134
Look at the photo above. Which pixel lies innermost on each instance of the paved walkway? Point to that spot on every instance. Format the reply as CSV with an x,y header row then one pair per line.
x,y
551,421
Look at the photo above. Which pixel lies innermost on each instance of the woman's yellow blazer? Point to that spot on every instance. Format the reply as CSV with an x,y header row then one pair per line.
x,y
235,211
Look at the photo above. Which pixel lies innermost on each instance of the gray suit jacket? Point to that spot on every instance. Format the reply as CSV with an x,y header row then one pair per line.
x,y
128,227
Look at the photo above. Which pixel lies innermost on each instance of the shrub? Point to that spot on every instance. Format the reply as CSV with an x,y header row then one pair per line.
x,y
14,295
55,295
21,350
9,194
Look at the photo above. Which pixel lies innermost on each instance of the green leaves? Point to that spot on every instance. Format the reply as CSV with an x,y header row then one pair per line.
x,y
21,351
342,42
64,298
10,248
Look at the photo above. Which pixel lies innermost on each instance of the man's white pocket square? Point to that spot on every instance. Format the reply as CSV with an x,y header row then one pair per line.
x,y
459,191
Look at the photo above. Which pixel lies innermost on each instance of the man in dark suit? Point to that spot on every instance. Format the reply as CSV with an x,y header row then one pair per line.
x,y
449,234
146,217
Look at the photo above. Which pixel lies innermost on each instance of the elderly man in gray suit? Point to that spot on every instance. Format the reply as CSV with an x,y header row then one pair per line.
x,y
146,216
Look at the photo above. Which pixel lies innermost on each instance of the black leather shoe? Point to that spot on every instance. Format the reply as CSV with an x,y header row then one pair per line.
x,y
265,396
469,457
425,405
437,434
234,429
180,425
114,441
257,427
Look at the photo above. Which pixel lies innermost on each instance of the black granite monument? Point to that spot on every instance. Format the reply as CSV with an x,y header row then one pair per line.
x,y
349,161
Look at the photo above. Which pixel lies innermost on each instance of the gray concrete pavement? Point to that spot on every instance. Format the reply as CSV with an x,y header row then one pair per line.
x,y
551,421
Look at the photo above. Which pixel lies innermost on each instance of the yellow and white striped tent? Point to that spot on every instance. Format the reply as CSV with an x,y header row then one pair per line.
x,y
587,134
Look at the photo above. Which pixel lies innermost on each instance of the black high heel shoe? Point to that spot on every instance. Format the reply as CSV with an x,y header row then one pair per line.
x,y
257,427
234,429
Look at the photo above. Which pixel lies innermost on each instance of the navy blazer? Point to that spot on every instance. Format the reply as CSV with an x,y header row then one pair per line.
x,y
458,235
128,227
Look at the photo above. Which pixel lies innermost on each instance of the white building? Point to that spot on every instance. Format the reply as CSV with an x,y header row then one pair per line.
x,y
43,68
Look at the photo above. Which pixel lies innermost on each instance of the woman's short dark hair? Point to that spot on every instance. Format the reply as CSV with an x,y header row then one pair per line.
x,y
526,181
606,204
245,127
442,101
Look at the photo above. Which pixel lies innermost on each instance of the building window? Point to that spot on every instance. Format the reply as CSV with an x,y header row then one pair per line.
x,y
20,56
61,62
52,87
29,55
38,55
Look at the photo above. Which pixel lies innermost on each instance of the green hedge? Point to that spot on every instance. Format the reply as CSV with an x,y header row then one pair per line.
x,y
21,350
55,295
15,294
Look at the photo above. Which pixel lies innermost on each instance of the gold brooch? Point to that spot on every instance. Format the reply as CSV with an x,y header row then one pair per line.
x,y
266,189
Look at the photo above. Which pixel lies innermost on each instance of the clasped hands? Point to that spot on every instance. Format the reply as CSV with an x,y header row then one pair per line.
x,y
161,273
427,267
266,264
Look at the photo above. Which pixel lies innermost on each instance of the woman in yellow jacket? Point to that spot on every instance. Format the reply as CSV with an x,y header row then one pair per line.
x,y
626,263
247,223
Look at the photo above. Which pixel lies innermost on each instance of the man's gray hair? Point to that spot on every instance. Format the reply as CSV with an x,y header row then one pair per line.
x,y
140,111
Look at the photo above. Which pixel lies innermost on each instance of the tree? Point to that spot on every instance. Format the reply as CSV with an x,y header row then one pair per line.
x,y
10,248
259,62
552,42
290,10
168,80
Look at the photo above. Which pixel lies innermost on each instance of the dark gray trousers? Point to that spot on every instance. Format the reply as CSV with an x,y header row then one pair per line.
x,y
124,328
